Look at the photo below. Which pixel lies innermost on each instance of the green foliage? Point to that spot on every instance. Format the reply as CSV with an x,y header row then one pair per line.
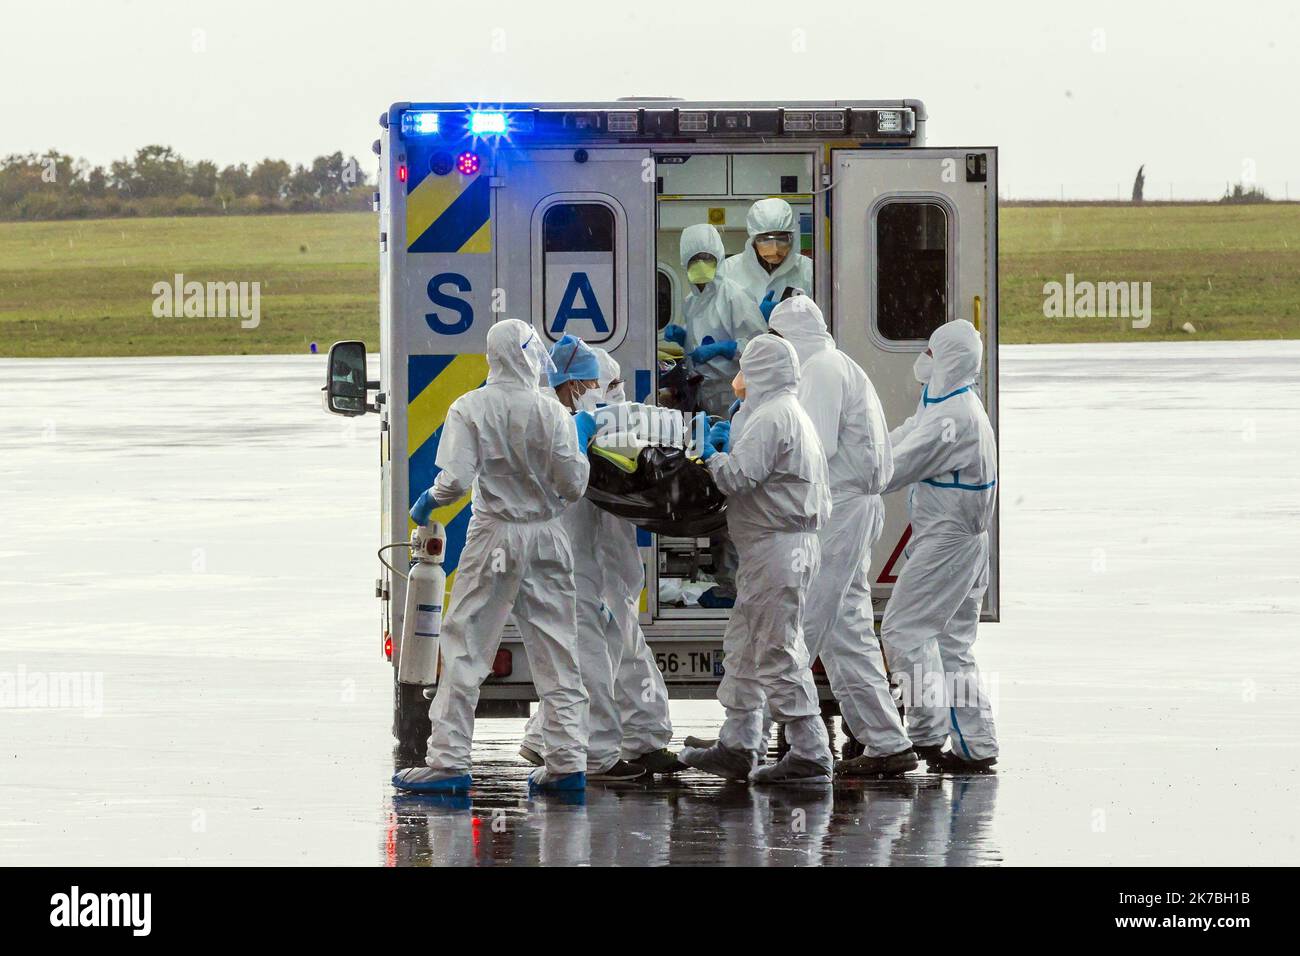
x,y
1241,193
158,181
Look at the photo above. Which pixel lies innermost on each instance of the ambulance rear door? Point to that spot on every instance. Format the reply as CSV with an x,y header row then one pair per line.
x,y
914,245
574,250
575,255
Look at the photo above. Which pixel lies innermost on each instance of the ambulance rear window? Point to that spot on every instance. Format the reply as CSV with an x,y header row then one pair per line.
x,y
578,227
911,269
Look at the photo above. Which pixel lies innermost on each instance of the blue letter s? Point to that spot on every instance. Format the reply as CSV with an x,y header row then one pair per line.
x,y
461,306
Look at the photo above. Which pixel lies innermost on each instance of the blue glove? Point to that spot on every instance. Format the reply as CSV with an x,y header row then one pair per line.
x,y
720,436
675,333
711,350
423,507
767,305
586,426
735,407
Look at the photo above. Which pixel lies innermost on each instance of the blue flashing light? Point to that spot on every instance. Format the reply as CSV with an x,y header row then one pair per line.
x,y
483,123
419,122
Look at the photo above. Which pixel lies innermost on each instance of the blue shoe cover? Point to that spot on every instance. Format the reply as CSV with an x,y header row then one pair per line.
x,y
543,779
427,780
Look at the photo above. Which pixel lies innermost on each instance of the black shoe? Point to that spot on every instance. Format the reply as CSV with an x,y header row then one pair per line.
x,y
949,763
621,772
658,761
892,765
927,752
852,748
703,743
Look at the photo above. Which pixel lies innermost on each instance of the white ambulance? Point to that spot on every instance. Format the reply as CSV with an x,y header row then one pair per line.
x,y
568,215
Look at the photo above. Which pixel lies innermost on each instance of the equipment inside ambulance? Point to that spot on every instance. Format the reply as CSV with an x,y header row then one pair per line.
x,y
645,469
570,216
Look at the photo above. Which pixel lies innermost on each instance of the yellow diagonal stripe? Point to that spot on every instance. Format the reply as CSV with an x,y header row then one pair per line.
x,y
431,199
481,241
428,411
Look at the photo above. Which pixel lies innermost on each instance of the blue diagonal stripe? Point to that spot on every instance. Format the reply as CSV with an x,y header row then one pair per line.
x,y
420,371
464,217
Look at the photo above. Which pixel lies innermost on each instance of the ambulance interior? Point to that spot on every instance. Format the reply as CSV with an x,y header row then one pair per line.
x,y
715,188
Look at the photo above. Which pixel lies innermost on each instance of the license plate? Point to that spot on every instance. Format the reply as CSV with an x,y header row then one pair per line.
x,y
684,661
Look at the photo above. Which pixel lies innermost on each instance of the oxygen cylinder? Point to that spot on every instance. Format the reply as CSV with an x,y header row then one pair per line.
x,y
422,622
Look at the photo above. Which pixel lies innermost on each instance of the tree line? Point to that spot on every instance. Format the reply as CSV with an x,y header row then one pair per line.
x,y
158,181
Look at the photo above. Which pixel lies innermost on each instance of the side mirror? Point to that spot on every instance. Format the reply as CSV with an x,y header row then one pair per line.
x,y
345,380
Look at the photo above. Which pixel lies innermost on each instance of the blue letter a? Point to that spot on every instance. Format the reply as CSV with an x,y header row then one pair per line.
x,y
579,283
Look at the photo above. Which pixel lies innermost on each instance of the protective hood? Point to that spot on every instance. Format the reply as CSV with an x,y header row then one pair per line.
x,y
770,215
701,238
800,322
771,367
958,352
609,370
516,355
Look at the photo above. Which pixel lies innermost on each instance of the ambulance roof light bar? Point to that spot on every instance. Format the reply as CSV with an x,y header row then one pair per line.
x,y
663,123
485,123
418,122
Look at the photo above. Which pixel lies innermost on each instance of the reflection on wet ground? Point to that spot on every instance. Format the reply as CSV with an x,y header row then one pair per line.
x,y
204,555
696,820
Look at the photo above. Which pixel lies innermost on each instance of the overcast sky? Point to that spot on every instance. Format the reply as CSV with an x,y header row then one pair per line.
x,y
1203,93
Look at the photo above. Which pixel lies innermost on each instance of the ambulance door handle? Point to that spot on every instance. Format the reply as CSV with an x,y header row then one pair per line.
x,y
977,314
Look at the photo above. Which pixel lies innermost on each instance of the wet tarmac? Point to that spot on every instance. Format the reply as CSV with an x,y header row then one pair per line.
x,y
190,667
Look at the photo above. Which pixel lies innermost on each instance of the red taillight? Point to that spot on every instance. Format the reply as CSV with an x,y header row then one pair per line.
x,y
503,665
388,645
401,173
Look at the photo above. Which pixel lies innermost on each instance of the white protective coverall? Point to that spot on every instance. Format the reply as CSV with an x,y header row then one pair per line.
x,y
518,450
612,651
640,690
720,312
778,496
839,623
794,272
947,453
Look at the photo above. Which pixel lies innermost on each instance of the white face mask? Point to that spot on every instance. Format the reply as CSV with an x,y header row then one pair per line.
x,y
615,395
590,400
923,368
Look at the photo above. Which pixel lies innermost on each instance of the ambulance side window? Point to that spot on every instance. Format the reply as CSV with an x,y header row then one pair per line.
x,y
912,267
579,285
578,227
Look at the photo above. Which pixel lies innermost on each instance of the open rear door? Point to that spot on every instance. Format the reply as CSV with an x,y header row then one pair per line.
x,y
914,240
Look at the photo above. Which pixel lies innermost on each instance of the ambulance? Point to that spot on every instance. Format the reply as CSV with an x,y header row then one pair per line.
x,y
569,215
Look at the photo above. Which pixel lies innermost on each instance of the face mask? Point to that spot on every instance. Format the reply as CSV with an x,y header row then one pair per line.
x,y
614,394
923,368
738,385
590,400
701,272
772,251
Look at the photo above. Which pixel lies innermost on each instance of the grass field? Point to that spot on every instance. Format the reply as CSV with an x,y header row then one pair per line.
x,y
85,288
